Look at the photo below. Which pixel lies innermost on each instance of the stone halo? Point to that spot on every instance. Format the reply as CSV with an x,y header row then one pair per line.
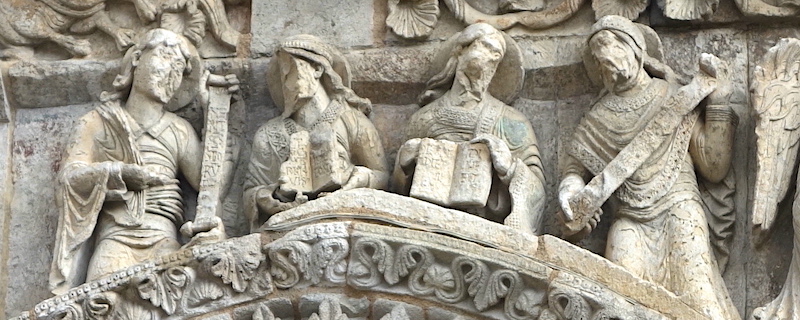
x,y
509,77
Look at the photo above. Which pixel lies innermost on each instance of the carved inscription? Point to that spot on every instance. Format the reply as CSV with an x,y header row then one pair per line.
x,y
329,171
452,174
314,165
296,171
216,137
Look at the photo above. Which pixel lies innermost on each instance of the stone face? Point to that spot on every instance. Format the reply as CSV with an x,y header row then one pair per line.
x,y
47,87
341,23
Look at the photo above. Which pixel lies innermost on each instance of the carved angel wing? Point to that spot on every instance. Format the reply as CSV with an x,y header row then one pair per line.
x,y
775,93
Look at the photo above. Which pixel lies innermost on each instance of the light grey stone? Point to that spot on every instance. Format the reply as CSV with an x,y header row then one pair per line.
x,y
59,83
40,137
383,307
342,23
352,307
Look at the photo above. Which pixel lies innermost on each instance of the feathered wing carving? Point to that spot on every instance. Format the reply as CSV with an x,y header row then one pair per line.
x,y
775,97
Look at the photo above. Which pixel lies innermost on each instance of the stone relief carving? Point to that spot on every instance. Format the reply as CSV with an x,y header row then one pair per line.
x,y
323,140
642,141
774,92
466,148
414,19
417,18
759,8
52,20
378,260
119,187
62,21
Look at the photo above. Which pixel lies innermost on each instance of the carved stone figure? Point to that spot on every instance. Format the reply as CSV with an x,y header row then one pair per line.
x,y
642,142
466,148
774,97
56,20
119,189
323,140
51,20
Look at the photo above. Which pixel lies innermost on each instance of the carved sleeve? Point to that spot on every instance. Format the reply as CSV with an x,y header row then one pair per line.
x,y
191,157
711,146
367,150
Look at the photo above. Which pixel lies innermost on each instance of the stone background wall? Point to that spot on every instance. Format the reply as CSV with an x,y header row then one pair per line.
x,y
45,97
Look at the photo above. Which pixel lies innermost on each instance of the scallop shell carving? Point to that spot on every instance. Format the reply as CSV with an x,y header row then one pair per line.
x,y
627,8
413,18
688,9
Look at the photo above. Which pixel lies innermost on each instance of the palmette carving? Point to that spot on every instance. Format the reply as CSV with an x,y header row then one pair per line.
x,y
236,266
166,289
417,18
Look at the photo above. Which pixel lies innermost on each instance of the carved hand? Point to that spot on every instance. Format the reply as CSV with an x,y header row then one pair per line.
x,y
360,178
716,68
502,159
208,79
203,231
408,153
268,201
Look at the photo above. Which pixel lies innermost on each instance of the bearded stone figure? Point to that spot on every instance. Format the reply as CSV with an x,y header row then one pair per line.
x,y
321,143
119,191
467,149
646,141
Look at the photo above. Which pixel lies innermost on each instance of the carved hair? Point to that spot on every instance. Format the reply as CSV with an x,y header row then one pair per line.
x,y
644,42
316,52
442,81
153,39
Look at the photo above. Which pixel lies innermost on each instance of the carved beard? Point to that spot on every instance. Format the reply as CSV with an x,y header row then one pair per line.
x,y
476,79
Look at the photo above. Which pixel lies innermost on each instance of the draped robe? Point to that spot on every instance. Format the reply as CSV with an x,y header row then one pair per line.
x,y
97,209
517,202
660,231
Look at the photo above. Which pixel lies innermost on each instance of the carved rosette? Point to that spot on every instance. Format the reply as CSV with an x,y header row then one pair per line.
x,y
343,270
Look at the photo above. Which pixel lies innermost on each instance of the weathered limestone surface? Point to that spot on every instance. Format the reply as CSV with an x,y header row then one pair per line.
x,y
46,96
342,23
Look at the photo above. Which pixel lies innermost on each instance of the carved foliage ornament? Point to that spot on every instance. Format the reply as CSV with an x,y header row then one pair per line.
x,y
416,18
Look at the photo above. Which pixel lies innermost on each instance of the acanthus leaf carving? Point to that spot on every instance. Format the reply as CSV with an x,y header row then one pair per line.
x,y
236,265
165,289
319,255
568,305
373,258
329,309
501,284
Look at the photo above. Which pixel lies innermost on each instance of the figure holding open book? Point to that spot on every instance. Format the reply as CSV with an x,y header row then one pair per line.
x,y
323,140
466,148
646,142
